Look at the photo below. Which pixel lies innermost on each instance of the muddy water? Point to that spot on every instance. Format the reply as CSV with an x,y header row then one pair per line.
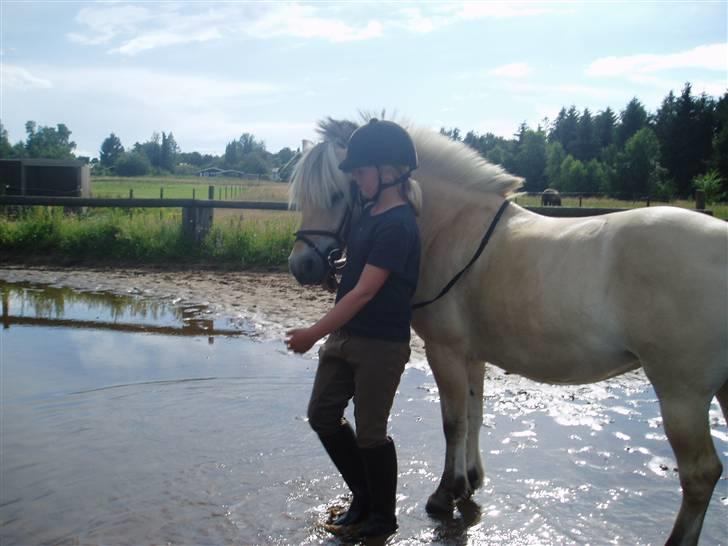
x,y
132,421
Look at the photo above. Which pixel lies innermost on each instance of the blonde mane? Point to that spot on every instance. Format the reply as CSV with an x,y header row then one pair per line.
x,y
317,179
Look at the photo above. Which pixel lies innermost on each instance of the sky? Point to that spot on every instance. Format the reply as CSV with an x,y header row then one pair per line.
x,y
210,71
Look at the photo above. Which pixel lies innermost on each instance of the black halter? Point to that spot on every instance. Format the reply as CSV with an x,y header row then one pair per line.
x,y
335,259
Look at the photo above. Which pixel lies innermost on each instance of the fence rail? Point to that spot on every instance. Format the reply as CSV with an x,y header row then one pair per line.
x,y
137,203
197,214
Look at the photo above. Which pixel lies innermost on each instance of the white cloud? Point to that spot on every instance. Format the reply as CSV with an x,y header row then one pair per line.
x,y
160,89
17,77
301,21
707,57
133,29
154,40
513,70
431,17
103,23
497,10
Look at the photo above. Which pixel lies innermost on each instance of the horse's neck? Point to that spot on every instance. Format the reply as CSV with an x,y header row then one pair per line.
x,y
447,209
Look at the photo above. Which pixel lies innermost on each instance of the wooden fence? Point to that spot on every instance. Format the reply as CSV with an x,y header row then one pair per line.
x,y
197,215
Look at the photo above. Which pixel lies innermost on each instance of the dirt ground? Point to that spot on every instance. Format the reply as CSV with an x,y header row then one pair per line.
x,y
271,302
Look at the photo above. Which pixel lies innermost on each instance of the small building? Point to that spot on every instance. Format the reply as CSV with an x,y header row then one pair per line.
x,y
211,171
46,177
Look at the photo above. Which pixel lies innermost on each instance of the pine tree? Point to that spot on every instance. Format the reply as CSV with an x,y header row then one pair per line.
x,y
605,124
111,150
168,152
566,129
587,146
632,119
685,128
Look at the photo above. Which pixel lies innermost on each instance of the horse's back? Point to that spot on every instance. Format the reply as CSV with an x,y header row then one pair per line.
x,y
670,283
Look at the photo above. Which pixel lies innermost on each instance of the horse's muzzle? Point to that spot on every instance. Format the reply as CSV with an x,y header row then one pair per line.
x,y
307,267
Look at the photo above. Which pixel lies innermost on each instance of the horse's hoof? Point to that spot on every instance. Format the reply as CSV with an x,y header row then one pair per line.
x,y
440,504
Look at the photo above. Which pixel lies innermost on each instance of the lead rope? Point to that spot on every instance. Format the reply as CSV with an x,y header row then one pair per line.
x,y
477,254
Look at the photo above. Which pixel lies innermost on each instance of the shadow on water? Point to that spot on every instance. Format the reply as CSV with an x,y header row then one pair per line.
x,y
123,424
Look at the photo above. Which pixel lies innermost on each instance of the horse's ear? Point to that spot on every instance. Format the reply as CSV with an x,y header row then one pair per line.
x,y
306,145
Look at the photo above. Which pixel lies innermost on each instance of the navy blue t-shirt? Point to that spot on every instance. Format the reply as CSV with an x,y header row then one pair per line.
x,y
390,240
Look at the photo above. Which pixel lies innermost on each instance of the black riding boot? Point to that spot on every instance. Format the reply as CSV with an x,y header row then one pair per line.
x,y
345,454
381,469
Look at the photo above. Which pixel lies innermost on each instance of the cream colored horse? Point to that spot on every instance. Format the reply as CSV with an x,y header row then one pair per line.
x,y
564,301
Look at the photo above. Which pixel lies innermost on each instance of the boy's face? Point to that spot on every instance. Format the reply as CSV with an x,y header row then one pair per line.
x,y
367,178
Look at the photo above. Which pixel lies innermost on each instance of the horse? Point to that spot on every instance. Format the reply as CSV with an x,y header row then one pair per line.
x,y
550,198
558,300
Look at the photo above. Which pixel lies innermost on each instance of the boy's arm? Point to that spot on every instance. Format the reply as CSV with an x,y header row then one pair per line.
x,y
370,281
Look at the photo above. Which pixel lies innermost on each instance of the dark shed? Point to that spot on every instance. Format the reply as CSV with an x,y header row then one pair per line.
x,y
47,177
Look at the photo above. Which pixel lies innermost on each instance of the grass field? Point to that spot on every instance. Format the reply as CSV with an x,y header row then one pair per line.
x,y
238,239
184,187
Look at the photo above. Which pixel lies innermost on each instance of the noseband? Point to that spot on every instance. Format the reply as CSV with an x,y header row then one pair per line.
x,y
335,260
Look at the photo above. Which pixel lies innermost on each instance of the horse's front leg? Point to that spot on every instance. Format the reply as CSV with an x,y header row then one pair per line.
x,y
451,374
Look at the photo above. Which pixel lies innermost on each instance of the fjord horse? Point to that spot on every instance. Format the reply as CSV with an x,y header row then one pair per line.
x,y
558,300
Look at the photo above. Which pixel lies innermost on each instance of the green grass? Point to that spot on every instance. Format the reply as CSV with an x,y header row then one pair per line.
x,y
182,187
149,236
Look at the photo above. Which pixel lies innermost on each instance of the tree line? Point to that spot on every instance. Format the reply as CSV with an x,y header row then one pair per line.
x,y
159,155
681,147
666,154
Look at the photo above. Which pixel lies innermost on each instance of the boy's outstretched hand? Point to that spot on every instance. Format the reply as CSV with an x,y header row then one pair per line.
x,y
300,340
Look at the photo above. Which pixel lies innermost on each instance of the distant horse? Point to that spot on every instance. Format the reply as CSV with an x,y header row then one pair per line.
x,y
550,198
558,300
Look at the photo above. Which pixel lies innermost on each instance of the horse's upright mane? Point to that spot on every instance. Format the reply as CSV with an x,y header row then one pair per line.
x,y
316,177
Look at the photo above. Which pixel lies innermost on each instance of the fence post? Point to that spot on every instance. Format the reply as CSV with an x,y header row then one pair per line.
x,y
699,199
131,193
193,194
196,222
211,192
161,193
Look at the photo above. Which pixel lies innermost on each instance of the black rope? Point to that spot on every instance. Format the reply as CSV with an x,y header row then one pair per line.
x,y
477,254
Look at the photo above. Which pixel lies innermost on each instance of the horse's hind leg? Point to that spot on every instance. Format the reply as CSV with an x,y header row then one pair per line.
x,y
687,427
476,376
722,396
451,374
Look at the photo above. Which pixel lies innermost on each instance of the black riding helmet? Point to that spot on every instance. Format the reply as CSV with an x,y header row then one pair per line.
x,y
379,143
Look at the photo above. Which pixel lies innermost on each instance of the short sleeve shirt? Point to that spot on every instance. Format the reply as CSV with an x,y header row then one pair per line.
x,y
390,240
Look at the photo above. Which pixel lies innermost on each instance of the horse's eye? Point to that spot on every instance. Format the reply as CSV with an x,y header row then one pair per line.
x,y
338,196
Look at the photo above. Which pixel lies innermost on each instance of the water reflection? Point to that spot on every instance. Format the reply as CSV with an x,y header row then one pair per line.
x,y
25,304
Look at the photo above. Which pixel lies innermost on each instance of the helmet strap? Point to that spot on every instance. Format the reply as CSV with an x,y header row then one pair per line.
x,y
381,185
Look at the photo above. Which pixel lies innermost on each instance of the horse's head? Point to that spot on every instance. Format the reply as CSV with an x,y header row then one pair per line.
x,y
327,201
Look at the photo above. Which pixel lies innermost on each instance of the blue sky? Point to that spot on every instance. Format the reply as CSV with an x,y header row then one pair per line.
x,y
210,71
